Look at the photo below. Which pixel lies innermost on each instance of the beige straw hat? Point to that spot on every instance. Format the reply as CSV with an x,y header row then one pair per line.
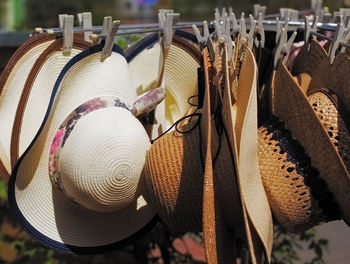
x,y
304,176
36,92
181,64
77,187
11,84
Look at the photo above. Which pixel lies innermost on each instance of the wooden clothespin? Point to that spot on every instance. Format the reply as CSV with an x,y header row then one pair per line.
x,y
309,30
284,45
109,40
85,21
66,22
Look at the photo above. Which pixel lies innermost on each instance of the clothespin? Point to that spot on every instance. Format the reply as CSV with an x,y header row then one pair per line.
x,y
233,22
205,40
220,17
167,20
85,21
290,13
109,40
309,30
67,22
247,37
316,6
259,29
338,38
259,9
224,35
284,44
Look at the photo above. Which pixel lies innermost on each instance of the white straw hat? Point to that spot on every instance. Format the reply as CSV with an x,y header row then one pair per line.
x,y
77,187
181,64
36,92
11,85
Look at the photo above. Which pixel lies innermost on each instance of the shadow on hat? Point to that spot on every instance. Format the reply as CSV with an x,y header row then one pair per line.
x,y
36,91
77,187
304,175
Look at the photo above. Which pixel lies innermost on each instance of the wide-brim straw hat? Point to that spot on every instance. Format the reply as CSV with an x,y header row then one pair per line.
x,y
304,176
11,84
180,72
36,92
189,178
241,123
77,187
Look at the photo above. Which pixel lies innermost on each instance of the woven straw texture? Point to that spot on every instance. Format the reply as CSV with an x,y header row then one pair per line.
x,y
333,123
309,59
304,124
333,77
36,94
11,85
241,121
180,71
46,209
290,199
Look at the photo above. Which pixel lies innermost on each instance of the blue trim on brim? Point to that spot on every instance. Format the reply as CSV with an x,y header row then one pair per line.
x,y
148,42
12,181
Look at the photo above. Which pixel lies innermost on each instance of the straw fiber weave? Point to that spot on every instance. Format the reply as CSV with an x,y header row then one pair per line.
x,y
333,122
303,122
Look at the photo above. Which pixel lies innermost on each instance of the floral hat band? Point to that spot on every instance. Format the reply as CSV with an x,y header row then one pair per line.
x,y
65,130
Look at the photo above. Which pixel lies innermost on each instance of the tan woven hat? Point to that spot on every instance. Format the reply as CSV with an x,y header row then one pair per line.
x,y
36,92
304,176
190,177
11,84
180,73
77,187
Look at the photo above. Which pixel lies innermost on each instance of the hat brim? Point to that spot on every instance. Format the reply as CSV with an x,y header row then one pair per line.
x,y
300,118
36,93
41,209
10,90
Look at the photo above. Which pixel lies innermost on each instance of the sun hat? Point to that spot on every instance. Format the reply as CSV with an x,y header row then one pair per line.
x,y
241,122
36,92
304,176
11,84
186,190
77,188
180,71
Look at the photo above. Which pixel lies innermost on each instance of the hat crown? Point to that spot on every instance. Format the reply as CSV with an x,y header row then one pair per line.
x,y
102,159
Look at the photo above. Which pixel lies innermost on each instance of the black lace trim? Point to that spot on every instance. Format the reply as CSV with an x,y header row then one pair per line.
x,y
296,154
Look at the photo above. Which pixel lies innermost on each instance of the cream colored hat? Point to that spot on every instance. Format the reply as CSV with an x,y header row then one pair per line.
x,y
11,85
181,64
77,187
36,92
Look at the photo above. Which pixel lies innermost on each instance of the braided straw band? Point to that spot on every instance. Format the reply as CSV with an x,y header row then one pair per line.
x,y
298,197
65,130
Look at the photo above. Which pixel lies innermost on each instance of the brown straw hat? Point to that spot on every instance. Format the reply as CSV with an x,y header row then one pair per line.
x,y
189,179
303,174
11,84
